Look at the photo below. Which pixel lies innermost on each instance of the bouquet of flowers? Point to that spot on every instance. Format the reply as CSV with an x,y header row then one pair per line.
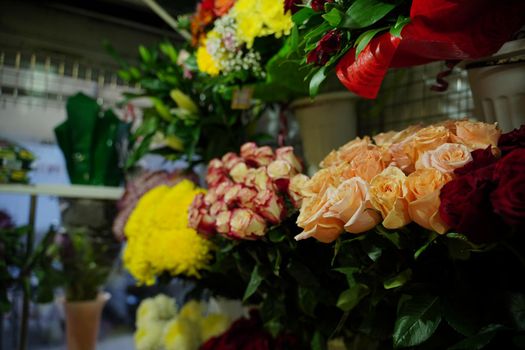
x,y
362,39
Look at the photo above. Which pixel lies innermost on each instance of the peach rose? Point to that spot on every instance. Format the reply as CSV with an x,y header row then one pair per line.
x,y
351,204
387,194
257,156
423,187
238,172
446,158
296,189
385,138
315,223
321,180
476,135
426,139
287,154
245,223
346,152
399,156
368,164
270,206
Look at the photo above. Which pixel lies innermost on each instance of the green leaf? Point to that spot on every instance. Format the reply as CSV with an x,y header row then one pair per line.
x,y
302,15
302,274
307,298
462,315
364,13
274,326
351,297
294,40
124,75
317,80
318,341
420,251
333,17
418,318
517,310
276,235
478,341
337,247
401,22
255,281
365,38
349,273
398,280
145,55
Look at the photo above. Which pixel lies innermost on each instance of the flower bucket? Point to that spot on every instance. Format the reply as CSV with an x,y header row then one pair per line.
x,y
498,86
83,322
325,123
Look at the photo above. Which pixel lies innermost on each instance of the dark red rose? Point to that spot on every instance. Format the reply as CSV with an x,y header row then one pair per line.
x,y
328,46
291,5
318,5
509,197
467,209
512,140
480,159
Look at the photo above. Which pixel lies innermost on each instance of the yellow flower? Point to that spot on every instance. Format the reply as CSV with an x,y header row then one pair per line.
x,y
257,18
149,336
205,61
158,309
192,310
213,325
158,237
181,334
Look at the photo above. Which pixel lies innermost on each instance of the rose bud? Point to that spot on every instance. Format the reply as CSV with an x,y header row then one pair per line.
x,y
291,5
222,222
211,196
256,156
270,206
259,179
286,154
245,223
216,173
238,172
328,46
198,217
318,5
280,172
231,196
230,159
246,197
222,188
296,189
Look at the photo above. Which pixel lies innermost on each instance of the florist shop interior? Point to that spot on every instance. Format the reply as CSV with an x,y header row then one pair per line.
x,y
262,174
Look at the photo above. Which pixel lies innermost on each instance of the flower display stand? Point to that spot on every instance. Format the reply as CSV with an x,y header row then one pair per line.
x,y
325,123
498,86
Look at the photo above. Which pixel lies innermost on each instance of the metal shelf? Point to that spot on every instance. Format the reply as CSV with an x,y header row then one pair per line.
x,y
69,191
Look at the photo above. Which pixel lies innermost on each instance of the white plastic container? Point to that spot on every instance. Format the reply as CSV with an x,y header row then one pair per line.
x,y
499,90
326,123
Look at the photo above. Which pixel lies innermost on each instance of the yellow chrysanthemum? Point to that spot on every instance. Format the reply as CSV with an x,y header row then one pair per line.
x,y
257,18
205,61
213,325
158,237
181,334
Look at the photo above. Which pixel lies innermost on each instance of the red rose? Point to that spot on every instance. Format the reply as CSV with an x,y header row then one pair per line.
x,y
480,159
318,5
291,5
328,46
467,209
512,140
509,197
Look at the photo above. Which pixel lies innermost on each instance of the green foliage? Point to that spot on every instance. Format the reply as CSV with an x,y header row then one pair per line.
x,y
202,127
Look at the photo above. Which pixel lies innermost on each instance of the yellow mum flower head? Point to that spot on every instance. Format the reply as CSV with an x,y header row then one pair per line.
x,y
181,334
205,61
159,239
257,18
214,325
192,310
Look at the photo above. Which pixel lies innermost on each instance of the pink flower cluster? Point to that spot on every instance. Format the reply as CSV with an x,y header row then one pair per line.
x,y
247,192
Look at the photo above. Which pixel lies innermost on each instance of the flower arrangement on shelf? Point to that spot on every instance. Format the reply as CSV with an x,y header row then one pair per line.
x,y
161,326
362,39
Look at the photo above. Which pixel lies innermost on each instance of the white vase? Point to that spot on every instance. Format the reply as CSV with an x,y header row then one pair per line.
x,y
498,86
325,123
83,322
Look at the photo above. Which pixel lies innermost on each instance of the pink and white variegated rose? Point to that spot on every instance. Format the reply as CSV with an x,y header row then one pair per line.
x,y
248,193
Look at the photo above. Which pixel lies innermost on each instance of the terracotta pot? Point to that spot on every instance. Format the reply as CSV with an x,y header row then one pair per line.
x,y
498,86
325,123
83,322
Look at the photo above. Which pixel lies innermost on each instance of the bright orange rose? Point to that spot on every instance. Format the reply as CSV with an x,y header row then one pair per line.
x,y
387,194
423,188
